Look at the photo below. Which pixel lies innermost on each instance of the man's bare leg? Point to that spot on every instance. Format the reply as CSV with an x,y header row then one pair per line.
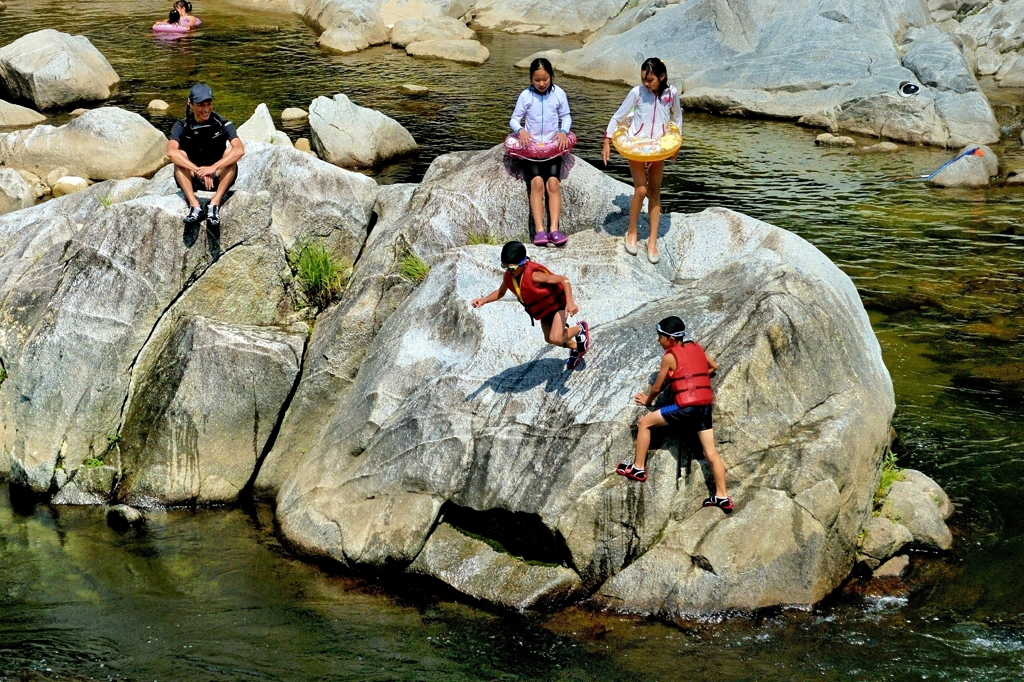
x,y
184,179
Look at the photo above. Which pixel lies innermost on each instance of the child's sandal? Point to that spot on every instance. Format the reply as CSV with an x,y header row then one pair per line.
x,y
723,503
622,468
638,475
557,238
540,239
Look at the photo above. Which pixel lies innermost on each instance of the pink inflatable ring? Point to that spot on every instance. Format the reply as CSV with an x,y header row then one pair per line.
x,y
162,27
537,151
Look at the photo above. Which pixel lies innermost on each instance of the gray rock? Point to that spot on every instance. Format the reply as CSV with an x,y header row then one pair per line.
x,y
551,55
68,184
464,51
430,27
91,484
970,171
914,508
122,516
414,90
830,140
1015,177
988,61
778,59
158,106
545,17
294,114
37,187
200,418
930,488
473,568
346,134
54,69
394,11
627,19
893,568
1011,73
451,404
102,144
77,112
260,128
998,26
427,219
880,148
346,25
14,116
15,192
883,538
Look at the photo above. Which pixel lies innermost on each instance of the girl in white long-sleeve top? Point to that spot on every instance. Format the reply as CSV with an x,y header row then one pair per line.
x,y
653,106
542,114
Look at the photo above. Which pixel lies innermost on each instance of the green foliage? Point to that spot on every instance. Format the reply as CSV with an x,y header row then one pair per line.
x,y
106,202
93,462
3,374
412,267
321,277
890,474
482,238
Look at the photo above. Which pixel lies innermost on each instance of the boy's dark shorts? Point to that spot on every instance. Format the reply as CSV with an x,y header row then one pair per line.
x,y
199,186
542,169
695,417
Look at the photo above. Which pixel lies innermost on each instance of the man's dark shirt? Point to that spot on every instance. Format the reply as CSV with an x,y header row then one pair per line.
x,y
204,143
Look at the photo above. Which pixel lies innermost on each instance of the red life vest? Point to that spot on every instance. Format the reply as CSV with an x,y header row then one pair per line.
x,y
540,300
690,381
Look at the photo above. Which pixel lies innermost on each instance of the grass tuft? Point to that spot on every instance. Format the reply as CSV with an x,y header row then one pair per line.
x,y
321,278
891,473
106,202
476,238
412,267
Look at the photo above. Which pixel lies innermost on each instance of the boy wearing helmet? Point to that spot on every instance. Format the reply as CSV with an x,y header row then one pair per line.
x,y
687,369
546,296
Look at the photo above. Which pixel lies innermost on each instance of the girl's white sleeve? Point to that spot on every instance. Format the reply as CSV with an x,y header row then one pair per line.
x,y
563,112
677,109
517,113
623,111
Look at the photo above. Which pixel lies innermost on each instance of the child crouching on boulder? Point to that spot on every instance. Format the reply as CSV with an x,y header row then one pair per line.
x,y
546,296
687,369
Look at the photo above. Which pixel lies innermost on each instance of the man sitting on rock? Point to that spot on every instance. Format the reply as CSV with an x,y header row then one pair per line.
x,y
205,150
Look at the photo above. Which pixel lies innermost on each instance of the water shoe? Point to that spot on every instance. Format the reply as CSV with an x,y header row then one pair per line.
x,y
583,338
194,215
723,503
213,216
638,475
574,359
557,238
540,239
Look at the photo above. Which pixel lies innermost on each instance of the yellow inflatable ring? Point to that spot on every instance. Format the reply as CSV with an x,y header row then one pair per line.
x,y
646,148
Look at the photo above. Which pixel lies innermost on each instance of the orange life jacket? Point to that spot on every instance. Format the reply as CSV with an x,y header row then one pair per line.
x,y
540,300
690,381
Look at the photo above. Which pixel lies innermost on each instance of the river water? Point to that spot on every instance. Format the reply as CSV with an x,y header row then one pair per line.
x,y
212,595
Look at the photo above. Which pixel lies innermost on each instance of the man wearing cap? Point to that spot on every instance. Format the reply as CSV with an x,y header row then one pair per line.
x,y
205,150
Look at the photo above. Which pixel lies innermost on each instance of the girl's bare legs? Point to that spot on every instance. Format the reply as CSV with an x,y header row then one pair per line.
x,y
554,203
654,171
643,436
537,203
707,442
556,333
639,173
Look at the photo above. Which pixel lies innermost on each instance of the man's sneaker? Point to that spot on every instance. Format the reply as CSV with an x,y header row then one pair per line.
x,y
723,503
213,216
194,215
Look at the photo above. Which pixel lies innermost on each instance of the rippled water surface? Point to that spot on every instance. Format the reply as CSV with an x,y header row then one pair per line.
x,y
212,595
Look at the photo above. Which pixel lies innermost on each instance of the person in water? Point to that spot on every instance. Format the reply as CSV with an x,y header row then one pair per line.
x,y
173,19
205,150
542,115
546,296
184,8
652,105
687,369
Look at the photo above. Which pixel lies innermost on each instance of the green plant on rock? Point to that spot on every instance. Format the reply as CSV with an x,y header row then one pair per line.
x,y
891,473
92,462
106,202
321,277
412,266
475,238
3,373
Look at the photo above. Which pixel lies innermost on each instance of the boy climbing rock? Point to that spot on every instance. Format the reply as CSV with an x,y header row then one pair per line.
x,y
546,296
687,369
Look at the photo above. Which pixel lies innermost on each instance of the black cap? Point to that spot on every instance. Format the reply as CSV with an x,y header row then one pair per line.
x,y
200,93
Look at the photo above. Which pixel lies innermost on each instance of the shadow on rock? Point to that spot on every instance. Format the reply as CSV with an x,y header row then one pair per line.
x,y
526,377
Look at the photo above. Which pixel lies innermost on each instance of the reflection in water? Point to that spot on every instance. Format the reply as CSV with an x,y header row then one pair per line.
x,y
213,596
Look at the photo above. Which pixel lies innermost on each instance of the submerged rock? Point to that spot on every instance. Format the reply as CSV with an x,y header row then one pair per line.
x,y
972,170
454,406
465,51
346,134
430,27
779,59
294,114
101,144
122,516
54,69
13,116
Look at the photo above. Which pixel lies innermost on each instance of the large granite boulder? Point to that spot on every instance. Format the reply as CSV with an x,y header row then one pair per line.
x,y
101,144
780,59
430,27
346,134
394,11
450,408
462,195
202,414
54,69
14,116
93,286
15,192
345,25
999,25
545,17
